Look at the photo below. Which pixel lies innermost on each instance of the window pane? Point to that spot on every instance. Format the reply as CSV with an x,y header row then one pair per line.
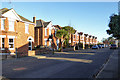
x,y
3,46
3,24
29,43
10,40
11,25
26,28
2,40
11,45
29,48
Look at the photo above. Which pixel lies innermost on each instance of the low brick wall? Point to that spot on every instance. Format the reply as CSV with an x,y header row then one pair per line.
x,y
69,49
39,51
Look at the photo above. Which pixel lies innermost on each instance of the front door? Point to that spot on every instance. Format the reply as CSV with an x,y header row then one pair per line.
x,y
30,45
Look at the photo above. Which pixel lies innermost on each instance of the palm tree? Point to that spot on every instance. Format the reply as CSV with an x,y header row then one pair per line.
x,y
62,34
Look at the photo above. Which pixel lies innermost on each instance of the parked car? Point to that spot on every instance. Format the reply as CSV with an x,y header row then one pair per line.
x,y
113,46
102,46
99,46
95,47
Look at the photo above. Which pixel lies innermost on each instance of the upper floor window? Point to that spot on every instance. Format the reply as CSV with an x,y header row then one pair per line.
x,y
11,25
49,31
2,24
74,36
26,28
45,31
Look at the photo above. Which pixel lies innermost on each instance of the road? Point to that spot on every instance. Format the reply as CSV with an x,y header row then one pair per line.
x,y
74,64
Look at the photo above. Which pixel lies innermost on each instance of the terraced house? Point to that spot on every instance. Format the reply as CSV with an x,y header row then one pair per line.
x,y
16,32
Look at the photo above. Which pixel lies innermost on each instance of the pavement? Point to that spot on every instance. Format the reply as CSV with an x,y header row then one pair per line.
x,y
73,64
111,68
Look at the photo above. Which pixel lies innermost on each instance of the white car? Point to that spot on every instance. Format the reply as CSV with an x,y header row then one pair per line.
x,y
95,47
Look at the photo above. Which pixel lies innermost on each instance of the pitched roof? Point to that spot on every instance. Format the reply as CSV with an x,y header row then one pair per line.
x,y
57,26
4,10
41,23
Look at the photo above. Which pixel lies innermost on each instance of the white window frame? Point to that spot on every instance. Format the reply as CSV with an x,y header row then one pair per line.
x,y
11,37
26,28
45,31
45,42
49,31
2,25
2,36
11,27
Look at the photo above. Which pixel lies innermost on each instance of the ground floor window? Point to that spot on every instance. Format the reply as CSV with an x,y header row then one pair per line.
x,y
45,42
3,43
49,43
11,43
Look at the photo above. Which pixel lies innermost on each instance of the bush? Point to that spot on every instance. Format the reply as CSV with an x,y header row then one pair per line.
x,y
80,45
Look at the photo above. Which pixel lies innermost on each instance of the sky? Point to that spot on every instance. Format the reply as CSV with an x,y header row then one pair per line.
x,y
91,18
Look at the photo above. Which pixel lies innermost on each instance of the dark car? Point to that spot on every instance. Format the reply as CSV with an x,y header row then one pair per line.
x,y
113,46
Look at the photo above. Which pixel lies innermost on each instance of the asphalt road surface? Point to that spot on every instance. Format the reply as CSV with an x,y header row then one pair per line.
x,y
74,64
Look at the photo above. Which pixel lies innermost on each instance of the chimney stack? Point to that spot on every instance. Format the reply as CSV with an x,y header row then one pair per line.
x,y
34,19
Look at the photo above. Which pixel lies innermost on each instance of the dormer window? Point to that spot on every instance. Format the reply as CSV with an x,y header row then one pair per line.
x,y
2,24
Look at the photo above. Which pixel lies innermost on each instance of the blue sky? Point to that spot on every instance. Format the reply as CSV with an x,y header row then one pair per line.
x,y
89,17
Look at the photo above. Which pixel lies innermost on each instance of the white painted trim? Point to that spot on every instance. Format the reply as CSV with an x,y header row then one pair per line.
x,y
31,38
45,39
11,20
14,14
11,36
3,36
45,32
4,42
27,25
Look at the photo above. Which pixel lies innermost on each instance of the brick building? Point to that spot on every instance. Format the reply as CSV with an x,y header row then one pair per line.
x,y
16,32
45,34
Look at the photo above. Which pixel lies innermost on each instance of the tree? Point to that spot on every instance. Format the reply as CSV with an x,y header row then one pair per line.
x,y
65,34
70,30
114,26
